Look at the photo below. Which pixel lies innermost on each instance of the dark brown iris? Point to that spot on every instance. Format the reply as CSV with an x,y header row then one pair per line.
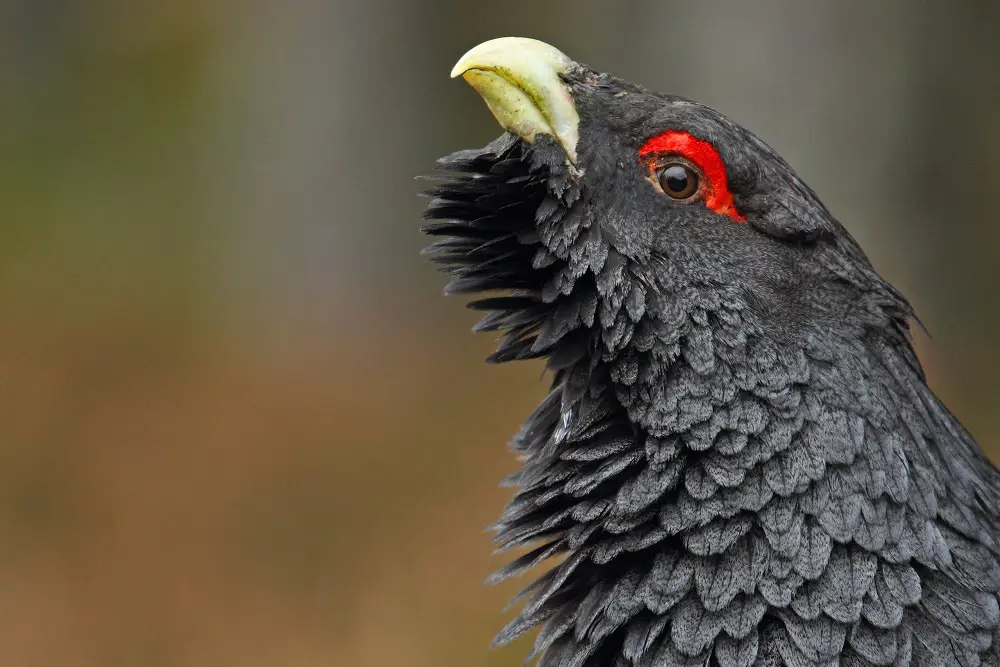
x,y
678,181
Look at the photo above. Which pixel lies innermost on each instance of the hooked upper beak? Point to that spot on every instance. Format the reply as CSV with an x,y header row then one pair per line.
x,y
519,78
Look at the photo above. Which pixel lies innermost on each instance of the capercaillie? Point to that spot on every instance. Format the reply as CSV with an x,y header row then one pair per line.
x,y
740,461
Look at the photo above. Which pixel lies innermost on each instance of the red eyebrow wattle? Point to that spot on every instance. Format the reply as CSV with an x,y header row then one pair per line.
x,y
704,156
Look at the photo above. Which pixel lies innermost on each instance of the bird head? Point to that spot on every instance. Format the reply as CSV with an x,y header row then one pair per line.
x,y
620,199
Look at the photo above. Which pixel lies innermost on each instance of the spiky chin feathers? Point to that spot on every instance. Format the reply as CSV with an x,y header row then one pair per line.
x,y
486,210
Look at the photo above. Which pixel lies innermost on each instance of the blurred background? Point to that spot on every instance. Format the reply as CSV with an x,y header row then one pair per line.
x,y
238,423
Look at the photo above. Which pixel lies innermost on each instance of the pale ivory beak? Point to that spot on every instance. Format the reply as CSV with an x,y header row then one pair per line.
x,y
519,79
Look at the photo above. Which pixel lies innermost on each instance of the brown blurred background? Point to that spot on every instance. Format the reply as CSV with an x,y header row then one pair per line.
x,y
239,425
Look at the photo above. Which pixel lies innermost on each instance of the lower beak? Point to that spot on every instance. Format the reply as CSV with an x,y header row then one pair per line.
x,y
520,80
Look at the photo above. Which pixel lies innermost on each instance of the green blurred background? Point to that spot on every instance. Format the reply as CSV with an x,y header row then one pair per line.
x,y
239,425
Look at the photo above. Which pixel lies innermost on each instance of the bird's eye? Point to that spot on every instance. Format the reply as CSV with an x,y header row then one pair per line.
x,y
678,181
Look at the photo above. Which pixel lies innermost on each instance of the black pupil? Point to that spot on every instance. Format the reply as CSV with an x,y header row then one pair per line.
x,y
675,179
